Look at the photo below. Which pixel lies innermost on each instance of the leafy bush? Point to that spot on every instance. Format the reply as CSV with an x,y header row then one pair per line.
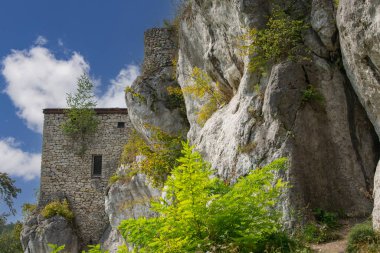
x,y
55,248
280,40
202,87
58,208
82,121
323,229
311,94
157,158
363,239
329,219
200,213
10,238
95,249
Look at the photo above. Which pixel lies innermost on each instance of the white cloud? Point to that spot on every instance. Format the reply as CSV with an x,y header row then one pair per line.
x,y
40,41
114,96
16,162
36,79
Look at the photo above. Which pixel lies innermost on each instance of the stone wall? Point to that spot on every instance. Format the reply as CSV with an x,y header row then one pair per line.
x,y
66,174
159,49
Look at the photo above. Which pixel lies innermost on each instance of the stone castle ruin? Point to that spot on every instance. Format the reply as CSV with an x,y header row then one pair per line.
x,y
82,180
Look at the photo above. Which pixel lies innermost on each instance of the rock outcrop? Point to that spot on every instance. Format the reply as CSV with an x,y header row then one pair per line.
x,y
331,144
38,232
359,30
149,102
127,200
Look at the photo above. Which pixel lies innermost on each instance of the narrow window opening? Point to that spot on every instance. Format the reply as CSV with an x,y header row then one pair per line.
x,y
96,165
120,124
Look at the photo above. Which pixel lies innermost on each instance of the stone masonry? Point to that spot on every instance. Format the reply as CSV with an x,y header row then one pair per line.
x,y
65,174
160,49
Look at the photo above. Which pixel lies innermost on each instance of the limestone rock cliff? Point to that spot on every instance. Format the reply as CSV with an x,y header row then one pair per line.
x,y
127,200
359,30
331,145
38,232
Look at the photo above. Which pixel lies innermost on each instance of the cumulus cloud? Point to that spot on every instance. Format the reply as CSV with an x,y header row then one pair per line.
x,y
36,79
114,96
16,162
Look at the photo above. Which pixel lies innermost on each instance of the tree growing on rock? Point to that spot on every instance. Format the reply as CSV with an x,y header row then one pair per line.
x,y
81,117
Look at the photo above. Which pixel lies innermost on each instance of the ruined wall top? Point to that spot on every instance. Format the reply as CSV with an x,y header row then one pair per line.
x,y
160,49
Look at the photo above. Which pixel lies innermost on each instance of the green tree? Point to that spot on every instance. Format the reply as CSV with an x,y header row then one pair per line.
x,y
10,238
200,213
8,191
82,121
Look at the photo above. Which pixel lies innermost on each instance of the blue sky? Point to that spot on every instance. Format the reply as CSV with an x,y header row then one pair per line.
x,y
45,45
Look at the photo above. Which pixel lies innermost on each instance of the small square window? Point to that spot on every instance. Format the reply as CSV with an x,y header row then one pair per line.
x,y
120,124
96,165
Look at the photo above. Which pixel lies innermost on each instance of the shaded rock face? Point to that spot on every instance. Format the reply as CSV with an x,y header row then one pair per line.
x,y
38,232
359,30
376,194
150,104
127,200
331,145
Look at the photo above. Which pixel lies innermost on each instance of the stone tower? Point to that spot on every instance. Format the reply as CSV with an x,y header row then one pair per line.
x,y
82,180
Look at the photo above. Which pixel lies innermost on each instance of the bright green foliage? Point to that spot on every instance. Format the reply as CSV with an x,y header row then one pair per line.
x,y
122,249
55,248
200,213
8,191
82,121
10,238
280,40
246,215
58,208
95,249
363,239
202,88
159,157
311,94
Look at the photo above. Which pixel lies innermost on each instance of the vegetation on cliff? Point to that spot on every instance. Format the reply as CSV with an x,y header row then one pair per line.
x,y
202,213
81,117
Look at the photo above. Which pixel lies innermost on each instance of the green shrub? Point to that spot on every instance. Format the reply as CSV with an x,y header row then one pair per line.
x,y
202,87
280,40
58,208
158,157
363,239
10,238
81,117
324,217
323,229
95,249
311,94
202,214
55,248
